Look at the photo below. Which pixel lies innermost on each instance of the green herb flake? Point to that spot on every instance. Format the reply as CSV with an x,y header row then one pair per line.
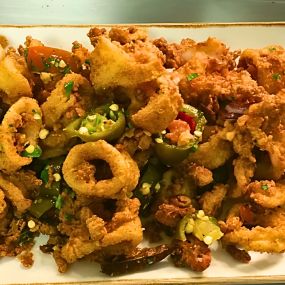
x,y
59,202
68,88
68,217
271,48
26,51
76,45
264,187
87,61
25,237
276,76
36,153
192,76
44,175
66,70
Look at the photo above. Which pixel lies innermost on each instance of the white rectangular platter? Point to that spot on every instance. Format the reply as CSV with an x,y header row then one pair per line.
x,y
264,268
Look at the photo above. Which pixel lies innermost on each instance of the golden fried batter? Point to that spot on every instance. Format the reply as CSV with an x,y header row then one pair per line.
x,y
79,172
162,108
266,66
206,92
124,227
20,127
113,65
213,153
13,78
208,56
14,194
268,194
69,100
259,239
211,201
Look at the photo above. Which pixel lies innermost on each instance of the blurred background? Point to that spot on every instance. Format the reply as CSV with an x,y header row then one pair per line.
x,y
138,11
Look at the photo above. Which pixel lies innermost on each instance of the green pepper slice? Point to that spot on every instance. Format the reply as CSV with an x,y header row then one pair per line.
x,y
149,183
203,227
40,206
171,154
106,122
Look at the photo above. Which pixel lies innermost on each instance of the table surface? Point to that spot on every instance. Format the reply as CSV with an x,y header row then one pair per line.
x,y
139,11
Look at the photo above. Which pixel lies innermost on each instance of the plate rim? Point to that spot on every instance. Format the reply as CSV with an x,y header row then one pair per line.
x,y
238,280
158,25
253,279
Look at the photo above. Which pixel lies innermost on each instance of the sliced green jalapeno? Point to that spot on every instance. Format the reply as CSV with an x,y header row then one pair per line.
x,y
171,154
106,122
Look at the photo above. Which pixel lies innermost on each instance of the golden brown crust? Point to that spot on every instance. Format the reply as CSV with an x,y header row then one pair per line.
x,y
79,173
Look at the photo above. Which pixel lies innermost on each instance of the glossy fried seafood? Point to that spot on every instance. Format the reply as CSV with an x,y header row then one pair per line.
x,y
124,64
139,139
123,230
79,173
266,66
14,77
163,107
19,133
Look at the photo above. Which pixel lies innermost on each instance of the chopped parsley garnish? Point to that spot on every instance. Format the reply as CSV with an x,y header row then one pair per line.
x,y
68,88
192,76
26,51
76,45
271,48
264,187
66,70
59,202
276,76
68,217
44,175
87,61
25,237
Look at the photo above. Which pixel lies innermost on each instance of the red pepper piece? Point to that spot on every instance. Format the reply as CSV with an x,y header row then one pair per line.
x,y
188,119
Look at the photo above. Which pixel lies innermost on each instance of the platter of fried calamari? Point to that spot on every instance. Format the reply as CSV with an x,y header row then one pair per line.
x,y
131,151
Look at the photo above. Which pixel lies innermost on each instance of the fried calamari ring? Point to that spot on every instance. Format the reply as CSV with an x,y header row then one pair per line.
x,y
266,193
24,116
162,108
123,229
14,194
68,101
211,201
206,154
13,81
79,172
113,65
268,239
20,126
265,66
263,126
